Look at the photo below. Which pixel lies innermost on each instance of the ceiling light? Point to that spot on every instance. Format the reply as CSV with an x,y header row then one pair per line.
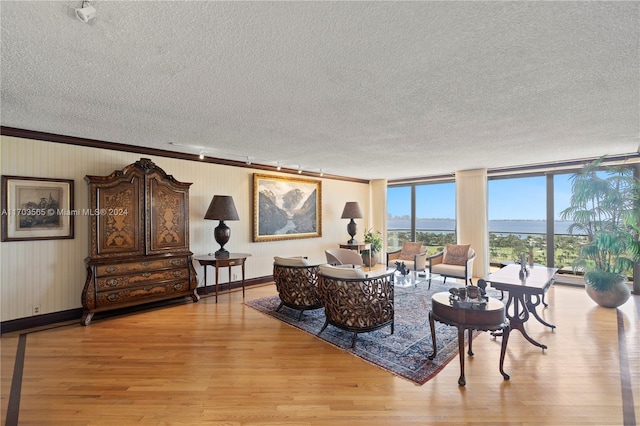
x,y
278,166
299,170
321,173
86,13
202,155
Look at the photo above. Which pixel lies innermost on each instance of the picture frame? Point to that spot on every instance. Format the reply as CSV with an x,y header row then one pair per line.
x,y
286,208
36,208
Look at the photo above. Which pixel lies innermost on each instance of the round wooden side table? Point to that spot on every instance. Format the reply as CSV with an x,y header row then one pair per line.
x,y
490,318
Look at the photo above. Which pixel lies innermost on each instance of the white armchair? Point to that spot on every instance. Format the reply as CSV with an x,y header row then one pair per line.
x,y
413,254
340,256
455,261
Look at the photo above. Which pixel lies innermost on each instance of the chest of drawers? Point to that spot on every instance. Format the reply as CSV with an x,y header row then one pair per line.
x,y
112,285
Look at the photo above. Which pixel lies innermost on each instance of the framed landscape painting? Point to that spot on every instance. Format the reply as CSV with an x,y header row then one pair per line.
x,y
36,208
286,208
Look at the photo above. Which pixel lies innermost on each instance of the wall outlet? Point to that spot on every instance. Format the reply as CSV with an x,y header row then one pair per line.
x,y
36,310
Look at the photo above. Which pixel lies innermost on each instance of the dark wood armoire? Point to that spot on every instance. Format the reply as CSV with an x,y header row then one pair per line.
x,y
139,240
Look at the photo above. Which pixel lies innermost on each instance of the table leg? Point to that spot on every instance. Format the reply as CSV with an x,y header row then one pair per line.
x,y
205,279
433,336
461,381
520,316
532,308
216,283
470,337
503,349
243,280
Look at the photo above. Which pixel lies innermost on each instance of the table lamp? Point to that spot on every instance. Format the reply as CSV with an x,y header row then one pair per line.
x,y
222,208
352,211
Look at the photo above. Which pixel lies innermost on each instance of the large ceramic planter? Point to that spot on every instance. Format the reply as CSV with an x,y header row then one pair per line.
x,y
612,298
370,262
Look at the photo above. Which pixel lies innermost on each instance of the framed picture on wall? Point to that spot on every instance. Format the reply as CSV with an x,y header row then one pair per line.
x,y
36,208
286,208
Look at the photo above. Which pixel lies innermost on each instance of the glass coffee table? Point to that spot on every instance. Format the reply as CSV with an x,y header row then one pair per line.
x,y
412,279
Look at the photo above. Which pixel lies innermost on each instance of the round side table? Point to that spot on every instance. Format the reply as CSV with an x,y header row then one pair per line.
x,y
490,318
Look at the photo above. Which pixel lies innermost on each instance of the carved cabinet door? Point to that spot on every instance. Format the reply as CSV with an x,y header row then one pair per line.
x,y
168,215
117,217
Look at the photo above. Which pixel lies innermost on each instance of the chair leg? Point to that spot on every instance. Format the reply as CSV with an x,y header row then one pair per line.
x,y
353,342
300,315
280,306
326,323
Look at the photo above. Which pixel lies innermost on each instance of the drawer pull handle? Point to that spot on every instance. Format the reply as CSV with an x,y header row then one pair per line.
x,y
177,286
146,274
176,262
112,282
112,297
177,273
145,263
111,269
232,263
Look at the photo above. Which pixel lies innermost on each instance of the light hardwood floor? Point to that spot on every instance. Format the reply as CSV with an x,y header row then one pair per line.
x,y
227,364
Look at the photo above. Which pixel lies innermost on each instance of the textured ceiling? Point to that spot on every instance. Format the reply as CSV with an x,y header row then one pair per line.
x,y
359,89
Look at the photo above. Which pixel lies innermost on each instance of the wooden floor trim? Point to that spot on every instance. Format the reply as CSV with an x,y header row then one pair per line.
x,y
13,409
628,409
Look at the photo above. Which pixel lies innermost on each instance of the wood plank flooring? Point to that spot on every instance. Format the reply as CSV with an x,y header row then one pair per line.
x,y
227,364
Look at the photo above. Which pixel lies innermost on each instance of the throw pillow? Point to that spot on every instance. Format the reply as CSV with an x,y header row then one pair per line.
x,y
410,250
291,261
456,254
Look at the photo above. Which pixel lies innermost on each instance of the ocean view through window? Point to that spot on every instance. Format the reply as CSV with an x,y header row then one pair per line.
x,y
413,216
523,212
517,218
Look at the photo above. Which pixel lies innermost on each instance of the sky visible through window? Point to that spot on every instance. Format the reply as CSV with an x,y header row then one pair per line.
x,y
515,198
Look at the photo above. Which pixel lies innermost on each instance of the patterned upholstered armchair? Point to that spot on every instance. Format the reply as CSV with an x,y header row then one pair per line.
x,y
354,302
455,261
297,283
413,254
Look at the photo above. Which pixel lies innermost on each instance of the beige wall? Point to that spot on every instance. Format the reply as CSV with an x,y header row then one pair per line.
x,y
50,274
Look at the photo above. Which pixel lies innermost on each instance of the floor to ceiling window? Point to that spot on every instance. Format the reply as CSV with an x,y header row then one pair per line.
x,y
421,212
523,212
566,246
517,219
399,215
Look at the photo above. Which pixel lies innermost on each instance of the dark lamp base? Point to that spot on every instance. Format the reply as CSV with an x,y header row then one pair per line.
x,y
222,253
352,241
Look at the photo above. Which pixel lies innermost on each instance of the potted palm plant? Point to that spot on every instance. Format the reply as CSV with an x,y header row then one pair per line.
x,y
604,206
375,239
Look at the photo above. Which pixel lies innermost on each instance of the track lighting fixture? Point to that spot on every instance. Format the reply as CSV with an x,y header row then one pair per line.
x,y
247,159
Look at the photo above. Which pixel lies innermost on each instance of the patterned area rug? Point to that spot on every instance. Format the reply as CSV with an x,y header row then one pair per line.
x,y
404,353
